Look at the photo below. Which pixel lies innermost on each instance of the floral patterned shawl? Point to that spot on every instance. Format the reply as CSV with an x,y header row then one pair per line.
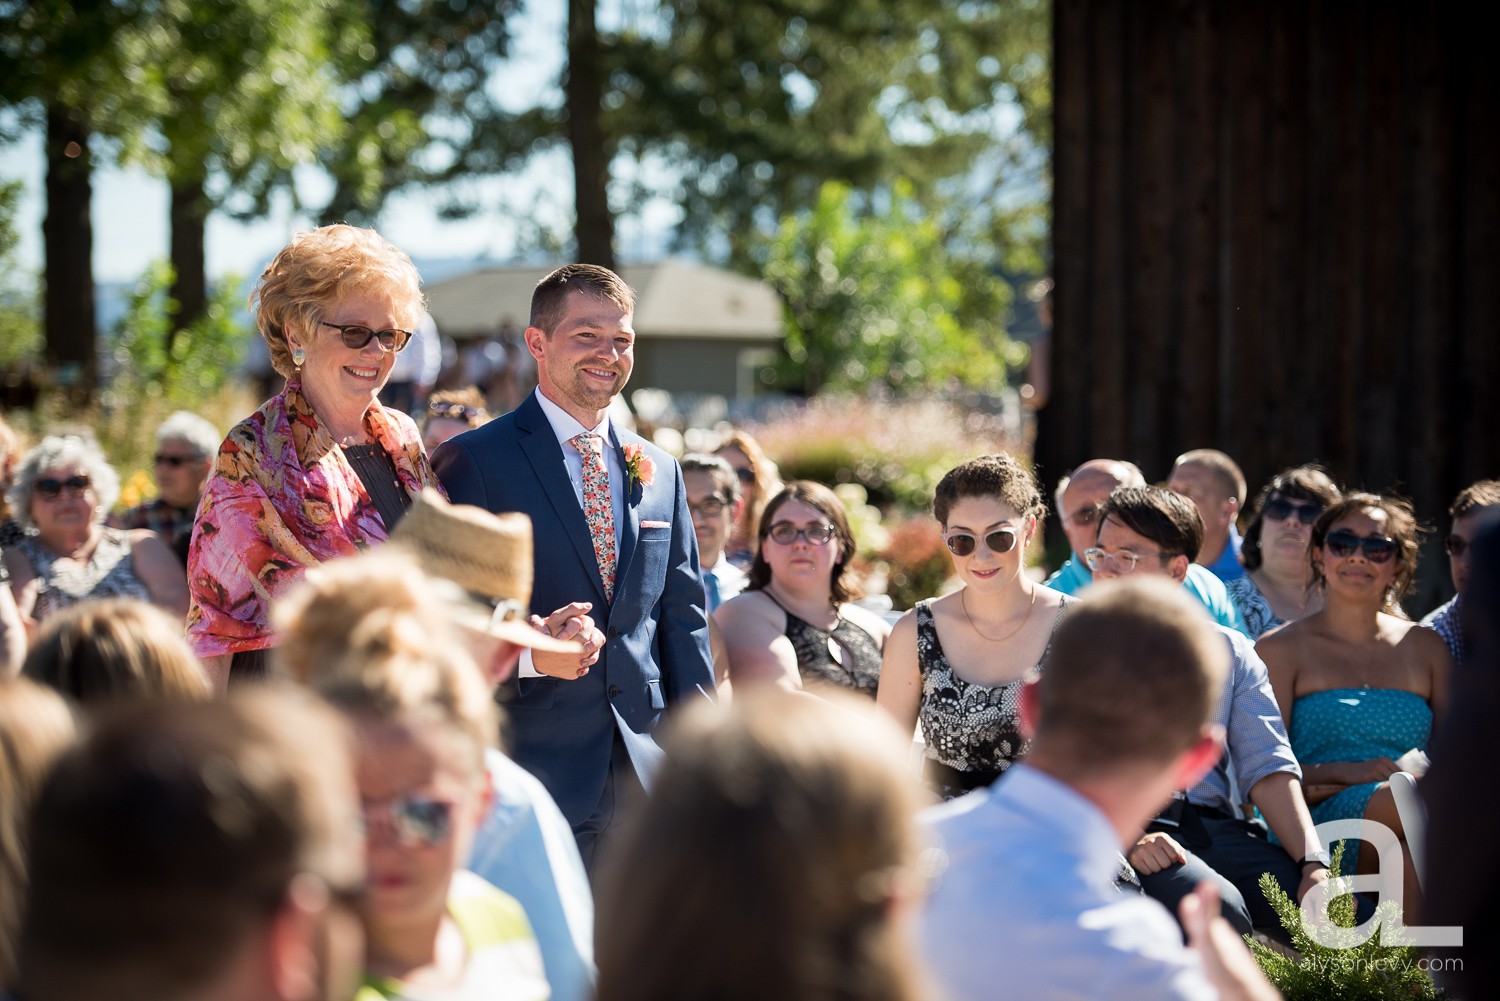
x,y
281,498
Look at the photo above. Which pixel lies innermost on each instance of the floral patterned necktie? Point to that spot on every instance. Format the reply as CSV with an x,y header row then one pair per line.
x,y
597,507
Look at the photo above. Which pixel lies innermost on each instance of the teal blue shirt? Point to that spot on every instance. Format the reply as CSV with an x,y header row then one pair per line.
x,y
1073,576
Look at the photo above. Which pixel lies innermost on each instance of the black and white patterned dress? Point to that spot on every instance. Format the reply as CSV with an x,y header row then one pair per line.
x,y
972,732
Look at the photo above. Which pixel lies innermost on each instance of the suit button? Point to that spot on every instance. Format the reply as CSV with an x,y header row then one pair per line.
x,y
614,690
613,632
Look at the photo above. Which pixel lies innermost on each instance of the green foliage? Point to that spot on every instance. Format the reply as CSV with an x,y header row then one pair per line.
x,y
895,450
182,370
874,297
20,331
1349,970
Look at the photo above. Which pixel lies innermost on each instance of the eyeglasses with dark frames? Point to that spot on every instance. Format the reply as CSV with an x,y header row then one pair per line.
x,y
1280,509
1455,546
357,335
1344,543
50,489
710,507
785,533
1001,540
175,461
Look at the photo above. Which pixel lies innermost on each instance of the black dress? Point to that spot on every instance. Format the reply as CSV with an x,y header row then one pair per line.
x,y
844,657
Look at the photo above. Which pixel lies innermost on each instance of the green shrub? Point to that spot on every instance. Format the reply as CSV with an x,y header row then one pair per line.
x,y
1352,971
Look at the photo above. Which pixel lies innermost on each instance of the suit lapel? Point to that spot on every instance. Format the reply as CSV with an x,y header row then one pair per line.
x,y
544,452
630,532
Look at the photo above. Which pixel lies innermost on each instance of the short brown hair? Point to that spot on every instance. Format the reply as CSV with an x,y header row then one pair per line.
x,y
440,404
796,810
1133,675
725,481
1483,493
174,832
1225,469
550,294
1166,518
116,648
319,268
997,475
825,502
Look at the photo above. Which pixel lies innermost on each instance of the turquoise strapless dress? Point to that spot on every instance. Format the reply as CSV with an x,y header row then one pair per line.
x,y
1356,724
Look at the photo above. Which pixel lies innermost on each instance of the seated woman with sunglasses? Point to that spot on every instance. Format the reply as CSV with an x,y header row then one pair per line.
x,y
68,555
321,470
759,482
1275,587
957,663
796,623
1359,686
365,633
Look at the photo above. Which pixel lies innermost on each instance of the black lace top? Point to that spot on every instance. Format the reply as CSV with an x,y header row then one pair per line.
x,y
846,656
972,732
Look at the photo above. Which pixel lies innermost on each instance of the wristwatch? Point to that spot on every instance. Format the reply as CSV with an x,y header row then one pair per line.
x,y
1317,858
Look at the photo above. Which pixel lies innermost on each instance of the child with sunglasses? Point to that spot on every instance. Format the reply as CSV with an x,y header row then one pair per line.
x,y
957,663
1359,684
367,633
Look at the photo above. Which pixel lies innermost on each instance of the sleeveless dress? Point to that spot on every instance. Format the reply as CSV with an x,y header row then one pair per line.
x,y
1254,608
1356,724
972,732
844,657
109,573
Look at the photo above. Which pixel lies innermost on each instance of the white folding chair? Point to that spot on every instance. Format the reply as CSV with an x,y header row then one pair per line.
x,y
1413,818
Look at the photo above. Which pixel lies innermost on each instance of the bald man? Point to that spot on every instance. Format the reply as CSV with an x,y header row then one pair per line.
x,y
1079,497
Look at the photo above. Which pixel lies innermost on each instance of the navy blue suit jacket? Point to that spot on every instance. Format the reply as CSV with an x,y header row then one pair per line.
x,y
656,651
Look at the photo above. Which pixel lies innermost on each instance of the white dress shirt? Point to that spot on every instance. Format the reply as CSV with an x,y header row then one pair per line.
x,y
565,426
1027,908
723,581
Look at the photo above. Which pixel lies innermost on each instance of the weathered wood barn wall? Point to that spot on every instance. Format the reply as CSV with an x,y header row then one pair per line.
x,y
1277,232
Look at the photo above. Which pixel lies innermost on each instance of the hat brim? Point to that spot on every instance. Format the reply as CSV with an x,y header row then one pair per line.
x,y
473,617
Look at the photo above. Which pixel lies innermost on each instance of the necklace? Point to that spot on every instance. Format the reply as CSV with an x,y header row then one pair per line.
x,y
995,639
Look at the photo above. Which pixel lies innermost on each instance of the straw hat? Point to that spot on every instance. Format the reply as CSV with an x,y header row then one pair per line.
x,y
487,556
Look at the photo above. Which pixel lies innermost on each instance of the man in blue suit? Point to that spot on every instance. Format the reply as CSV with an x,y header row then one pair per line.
x,y
613,537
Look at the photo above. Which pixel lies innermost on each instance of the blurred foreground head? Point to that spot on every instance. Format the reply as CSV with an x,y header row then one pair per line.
x,y
198,850
784,822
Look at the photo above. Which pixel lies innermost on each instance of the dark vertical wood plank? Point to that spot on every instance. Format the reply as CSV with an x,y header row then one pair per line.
x,y
1112,185
1153,203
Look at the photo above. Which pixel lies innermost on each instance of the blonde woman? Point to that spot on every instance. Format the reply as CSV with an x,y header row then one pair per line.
x,y
367,634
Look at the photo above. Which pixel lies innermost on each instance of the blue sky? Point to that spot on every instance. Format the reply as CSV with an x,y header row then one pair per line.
x,y
130,206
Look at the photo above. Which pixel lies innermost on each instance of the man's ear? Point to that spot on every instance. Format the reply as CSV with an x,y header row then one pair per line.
x,y
1030,709
737,508
1178,567
536,339
294,967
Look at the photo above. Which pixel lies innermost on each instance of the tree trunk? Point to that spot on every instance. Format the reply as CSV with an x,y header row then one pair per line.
x,y
67,231
594,229
190,278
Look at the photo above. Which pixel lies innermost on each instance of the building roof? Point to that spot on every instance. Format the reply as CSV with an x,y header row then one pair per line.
x,y
673,299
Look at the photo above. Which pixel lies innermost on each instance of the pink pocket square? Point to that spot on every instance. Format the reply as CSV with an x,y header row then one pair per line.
x,y
656,524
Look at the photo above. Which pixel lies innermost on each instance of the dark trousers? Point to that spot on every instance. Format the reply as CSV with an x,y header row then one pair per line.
x,y
597,835
1232,853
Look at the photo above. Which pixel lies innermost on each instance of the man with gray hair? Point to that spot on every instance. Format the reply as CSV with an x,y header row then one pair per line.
x,y
185,448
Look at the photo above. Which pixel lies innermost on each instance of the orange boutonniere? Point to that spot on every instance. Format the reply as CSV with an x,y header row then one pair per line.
x,y
639,466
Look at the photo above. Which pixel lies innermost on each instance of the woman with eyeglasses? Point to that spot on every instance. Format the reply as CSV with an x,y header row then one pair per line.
x,y
759,481
368,635
956,664
1359,687
322,470
796,624
1276,587
63,490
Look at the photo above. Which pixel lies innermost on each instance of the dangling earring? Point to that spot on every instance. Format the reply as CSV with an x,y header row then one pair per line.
x,y
298,357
